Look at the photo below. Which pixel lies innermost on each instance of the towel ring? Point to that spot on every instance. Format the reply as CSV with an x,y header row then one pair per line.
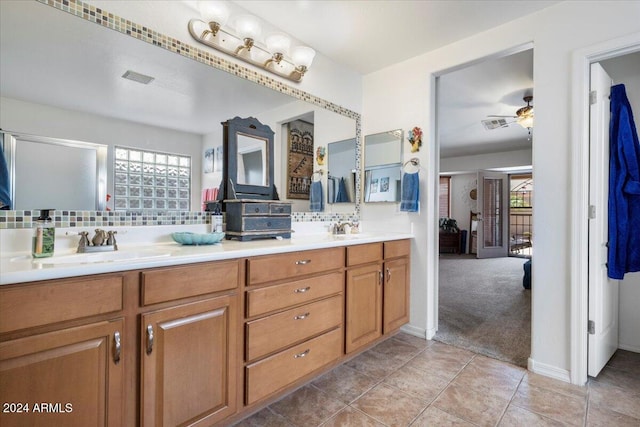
x,y
318,172
415,162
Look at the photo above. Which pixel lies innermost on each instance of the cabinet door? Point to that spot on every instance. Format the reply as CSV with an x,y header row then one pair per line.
x,y
396,294
189,363
363,306
71,377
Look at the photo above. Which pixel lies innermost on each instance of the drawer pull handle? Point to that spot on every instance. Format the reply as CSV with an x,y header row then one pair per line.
x,y
149,339
388,275
303,354
302,316
303,262
118,347
302,290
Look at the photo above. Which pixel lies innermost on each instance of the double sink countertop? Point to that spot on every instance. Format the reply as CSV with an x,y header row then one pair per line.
x,y
21,267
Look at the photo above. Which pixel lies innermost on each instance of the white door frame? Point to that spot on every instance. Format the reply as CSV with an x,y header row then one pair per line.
x,y
433,183
581,62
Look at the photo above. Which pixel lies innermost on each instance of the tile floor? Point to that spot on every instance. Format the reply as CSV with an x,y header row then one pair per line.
x,y
406,381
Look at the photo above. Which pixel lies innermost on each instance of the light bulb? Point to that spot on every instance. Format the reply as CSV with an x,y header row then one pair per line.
x,y
278,43
248,27
303,56
214,11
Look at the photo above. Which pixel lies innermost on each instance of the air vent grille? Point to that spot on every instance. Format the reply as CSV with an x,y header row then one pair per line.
x,y
491,124
137,77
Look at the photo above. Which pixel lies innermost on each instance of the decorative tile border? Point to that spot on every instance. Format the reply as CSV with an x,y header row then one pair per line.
x,y
25,219
20,219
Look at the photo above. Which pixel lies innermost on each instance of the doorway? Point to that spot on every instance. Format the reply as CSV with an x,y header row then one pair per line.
x,y
482,303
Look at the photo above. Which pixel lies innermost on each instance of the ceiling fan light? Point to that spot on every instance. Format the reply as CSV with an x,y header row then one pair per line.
x,y
526,121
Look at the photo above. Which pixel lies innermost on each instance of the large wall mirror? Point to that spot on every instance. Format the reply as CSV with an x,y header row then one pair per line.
x,y
66,80
383,166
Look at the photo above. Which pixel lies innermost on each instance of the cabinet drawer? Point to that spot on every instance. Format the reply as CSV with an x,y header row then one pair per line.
x,y
26,306
277,297
275,267
363,254
276,372
277,331
167,284
265,223
397,248
280,209
253,208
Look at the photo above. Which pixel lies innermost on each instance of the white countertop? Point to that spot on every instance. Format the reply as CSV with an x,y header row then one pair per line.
x,y
19,268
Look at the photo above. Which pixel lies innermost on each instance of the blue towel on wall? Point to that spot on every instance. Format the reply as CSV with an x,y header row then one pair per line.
x,y
316,201
624,188
5,195
410,192
342,196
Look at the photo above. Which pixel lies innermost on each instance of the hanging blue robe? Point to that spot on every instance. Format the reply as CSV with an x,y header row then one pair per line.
x,y
624,188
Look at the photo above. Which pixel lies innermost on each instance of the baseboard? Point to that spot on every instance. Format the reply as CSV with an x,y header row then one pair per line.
x,y
633,348
431,333
415,331
549,371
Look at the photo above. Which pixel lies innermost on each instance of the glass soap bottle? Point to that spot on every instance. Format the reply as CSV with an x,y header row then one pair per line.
x,y
216,220
44,235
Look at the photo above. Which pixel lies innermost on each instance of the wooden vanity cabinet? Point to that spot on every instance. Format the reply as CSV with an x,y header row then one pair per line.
x,y
294,325
377,291
188,350
61,353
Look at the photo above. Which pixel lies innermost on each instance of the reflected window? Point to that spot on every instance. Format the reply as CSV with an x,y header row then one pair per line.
x,y
148,180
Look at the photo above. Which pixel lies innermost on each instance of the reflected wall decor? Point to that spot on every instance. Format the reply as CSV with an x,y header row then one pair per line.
x,y
299,159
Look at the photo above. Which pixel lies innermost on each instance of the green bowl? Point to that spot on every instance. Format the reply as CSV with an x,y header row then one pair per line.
x,y
188,238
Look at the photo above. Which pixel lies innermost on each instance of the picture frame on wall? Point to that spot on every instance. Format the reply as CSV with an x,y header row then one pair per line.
x,y
208,163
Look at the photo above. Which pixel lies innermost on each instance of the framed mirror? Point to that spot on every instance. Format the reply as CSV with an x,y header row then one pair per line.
x,y
248,165
383,166
70,72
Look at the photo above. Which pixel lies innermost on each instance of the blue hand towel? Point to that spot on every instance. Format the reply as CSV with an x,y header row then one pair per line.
x,y
5,196
316,201
342,196
410,192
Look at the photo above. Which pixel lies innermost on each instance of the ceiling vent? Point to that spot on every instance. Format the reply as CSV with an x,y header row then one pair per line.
x,y
137,77
491,124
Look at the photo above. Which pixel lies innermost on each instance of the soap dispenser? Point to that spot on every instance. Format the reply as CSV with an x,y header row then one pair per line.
x,y
44,235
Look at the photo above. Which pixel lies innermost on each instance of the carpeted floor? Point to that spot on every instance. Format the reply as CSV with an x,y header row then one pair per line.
x,y
484,308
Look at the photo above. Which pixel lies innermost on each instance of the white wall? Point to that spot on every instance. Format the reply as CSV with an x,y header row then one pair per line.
x,y
626,70
41,120
486,161
402,96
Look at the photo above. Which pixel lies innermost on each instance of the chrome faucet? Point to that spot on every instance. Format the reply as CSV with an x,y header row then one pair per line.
x,y
338,227
102,241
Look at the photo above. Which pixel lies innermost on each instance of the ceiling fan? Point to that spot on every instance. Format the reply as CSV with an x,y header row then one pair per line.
x,y
523,117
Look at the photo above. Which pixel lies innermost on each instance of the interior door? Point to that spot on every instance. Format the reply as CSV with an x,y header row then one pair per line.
x,y
493,211
603,292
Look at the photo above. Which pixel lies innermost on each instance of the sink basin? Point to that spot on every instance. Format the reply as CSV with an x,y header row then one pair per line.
x,y
103,257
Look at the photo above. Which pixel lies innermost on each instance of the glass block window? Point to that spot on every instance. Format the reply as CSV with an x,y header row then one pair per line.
x,y
148,180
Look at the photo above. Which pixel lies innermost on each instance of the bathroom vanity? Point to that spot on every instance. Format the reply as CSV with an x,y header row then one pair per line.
x,y
204,336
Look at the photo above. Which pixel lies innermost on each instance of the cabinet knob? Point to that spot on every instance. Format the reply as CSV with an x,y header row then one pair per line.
x,y
303,354
149,339
117,347
388,275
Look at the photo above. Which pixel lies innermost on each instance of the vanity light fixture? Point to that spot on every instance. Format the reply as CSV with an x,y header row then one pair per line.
x,y
274,55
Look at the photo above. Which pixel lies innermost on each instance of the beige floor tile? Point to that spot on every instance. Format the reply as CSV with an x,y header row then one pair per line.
x,y
489,380
390,406
353,418
264,418
626,360
497,367
374,364
442,364
307,406
518,417
468,404
603,417
396,349
418,343
570,410
344,383
558,386
614,398
417,383
433,417
628,380
461,353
